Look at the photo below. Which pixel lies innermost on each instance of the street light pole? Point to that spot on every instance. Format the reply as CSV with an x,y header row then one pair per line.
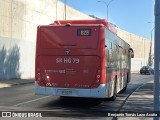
x,y
150,53
157,58
107,5
65,10
151,33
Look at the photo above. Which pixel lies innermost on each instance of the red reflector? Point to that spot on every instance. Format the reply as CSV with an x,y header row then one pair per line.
x,y
38,74
98,76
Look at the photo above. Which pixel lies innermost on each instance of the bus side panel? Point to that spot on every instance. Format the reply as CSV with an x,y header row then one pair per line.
x,y
117,62
102,54
105,74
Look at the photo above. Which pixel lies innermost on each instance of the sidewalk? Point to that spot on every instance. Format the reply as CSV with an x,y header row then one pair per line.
x,y
140,101
9,83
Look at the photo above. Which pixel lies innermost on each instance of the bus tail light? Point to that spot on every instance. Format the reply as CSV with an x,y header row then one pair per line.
x,y
98,78
98,74
38,74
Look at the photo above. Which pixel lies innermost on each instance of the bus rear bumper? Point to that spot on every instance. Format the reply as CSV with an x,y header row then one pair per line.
x,y
99,92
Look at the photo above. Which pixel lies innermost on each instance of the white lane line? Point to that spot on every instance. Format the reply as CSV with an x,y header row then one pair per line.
x,y
30,101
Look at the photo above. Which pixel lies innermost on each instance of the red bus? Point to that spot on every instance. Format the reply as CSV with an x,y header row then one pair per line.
x,y
81,58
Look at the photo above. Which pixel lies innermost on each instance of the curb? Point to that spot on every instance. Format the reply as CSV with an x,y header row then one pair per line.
x,y
10,83
23,83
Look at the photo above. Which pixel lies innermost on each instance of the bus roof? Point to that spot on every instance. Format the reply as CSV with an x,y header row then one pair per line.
x,y
110,26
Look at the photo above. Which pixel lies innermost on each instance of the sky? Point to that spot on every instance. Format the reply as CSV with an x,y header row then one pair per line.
x,y
135,16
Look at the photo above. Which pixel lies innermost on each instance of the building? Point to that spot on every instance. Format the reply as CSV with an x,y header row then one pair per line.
x,y
143,49
18,26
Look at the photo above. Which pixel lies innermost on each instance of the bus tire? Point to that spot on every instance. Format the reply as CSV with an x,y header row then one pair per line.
x,y
124,89
115,91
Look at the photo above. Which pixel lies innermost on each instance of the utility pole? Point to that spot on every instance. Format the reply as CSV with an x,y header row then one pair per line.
x,y
107,5
157,58
150,51
65,7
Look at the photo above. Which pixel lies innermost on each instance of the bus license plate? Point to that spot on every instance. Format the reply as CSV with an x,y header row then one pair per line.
x,y
66,92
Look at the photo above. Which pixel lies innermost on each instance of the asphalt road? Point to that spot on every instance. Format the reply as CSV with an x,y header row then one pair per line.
x,y
22,98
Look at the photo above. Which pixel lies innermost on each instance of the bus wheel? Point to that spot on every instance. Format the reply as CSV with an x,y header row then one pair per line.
x,y
124,89
115,91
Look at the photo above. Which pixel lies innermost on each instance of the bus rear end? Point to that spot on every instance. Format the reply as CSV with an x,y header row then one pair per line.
x,y
69,61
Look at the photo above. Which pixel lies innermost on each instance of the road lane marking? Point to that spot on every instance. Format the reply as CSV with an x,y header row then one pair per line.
x,y
31,101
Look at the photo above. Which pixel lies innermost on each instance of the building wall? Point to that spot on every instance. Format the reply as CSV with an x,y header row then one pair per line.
x,y
18,25
141,47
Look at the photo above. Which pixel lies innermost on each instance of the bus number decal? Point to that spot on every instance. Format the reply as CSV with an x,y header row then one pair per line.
x,y
67,60
75,60
84,32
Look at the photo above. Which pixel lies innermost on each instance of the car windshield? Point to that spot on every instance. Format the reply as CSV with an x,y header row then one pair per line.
x,y
145,67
